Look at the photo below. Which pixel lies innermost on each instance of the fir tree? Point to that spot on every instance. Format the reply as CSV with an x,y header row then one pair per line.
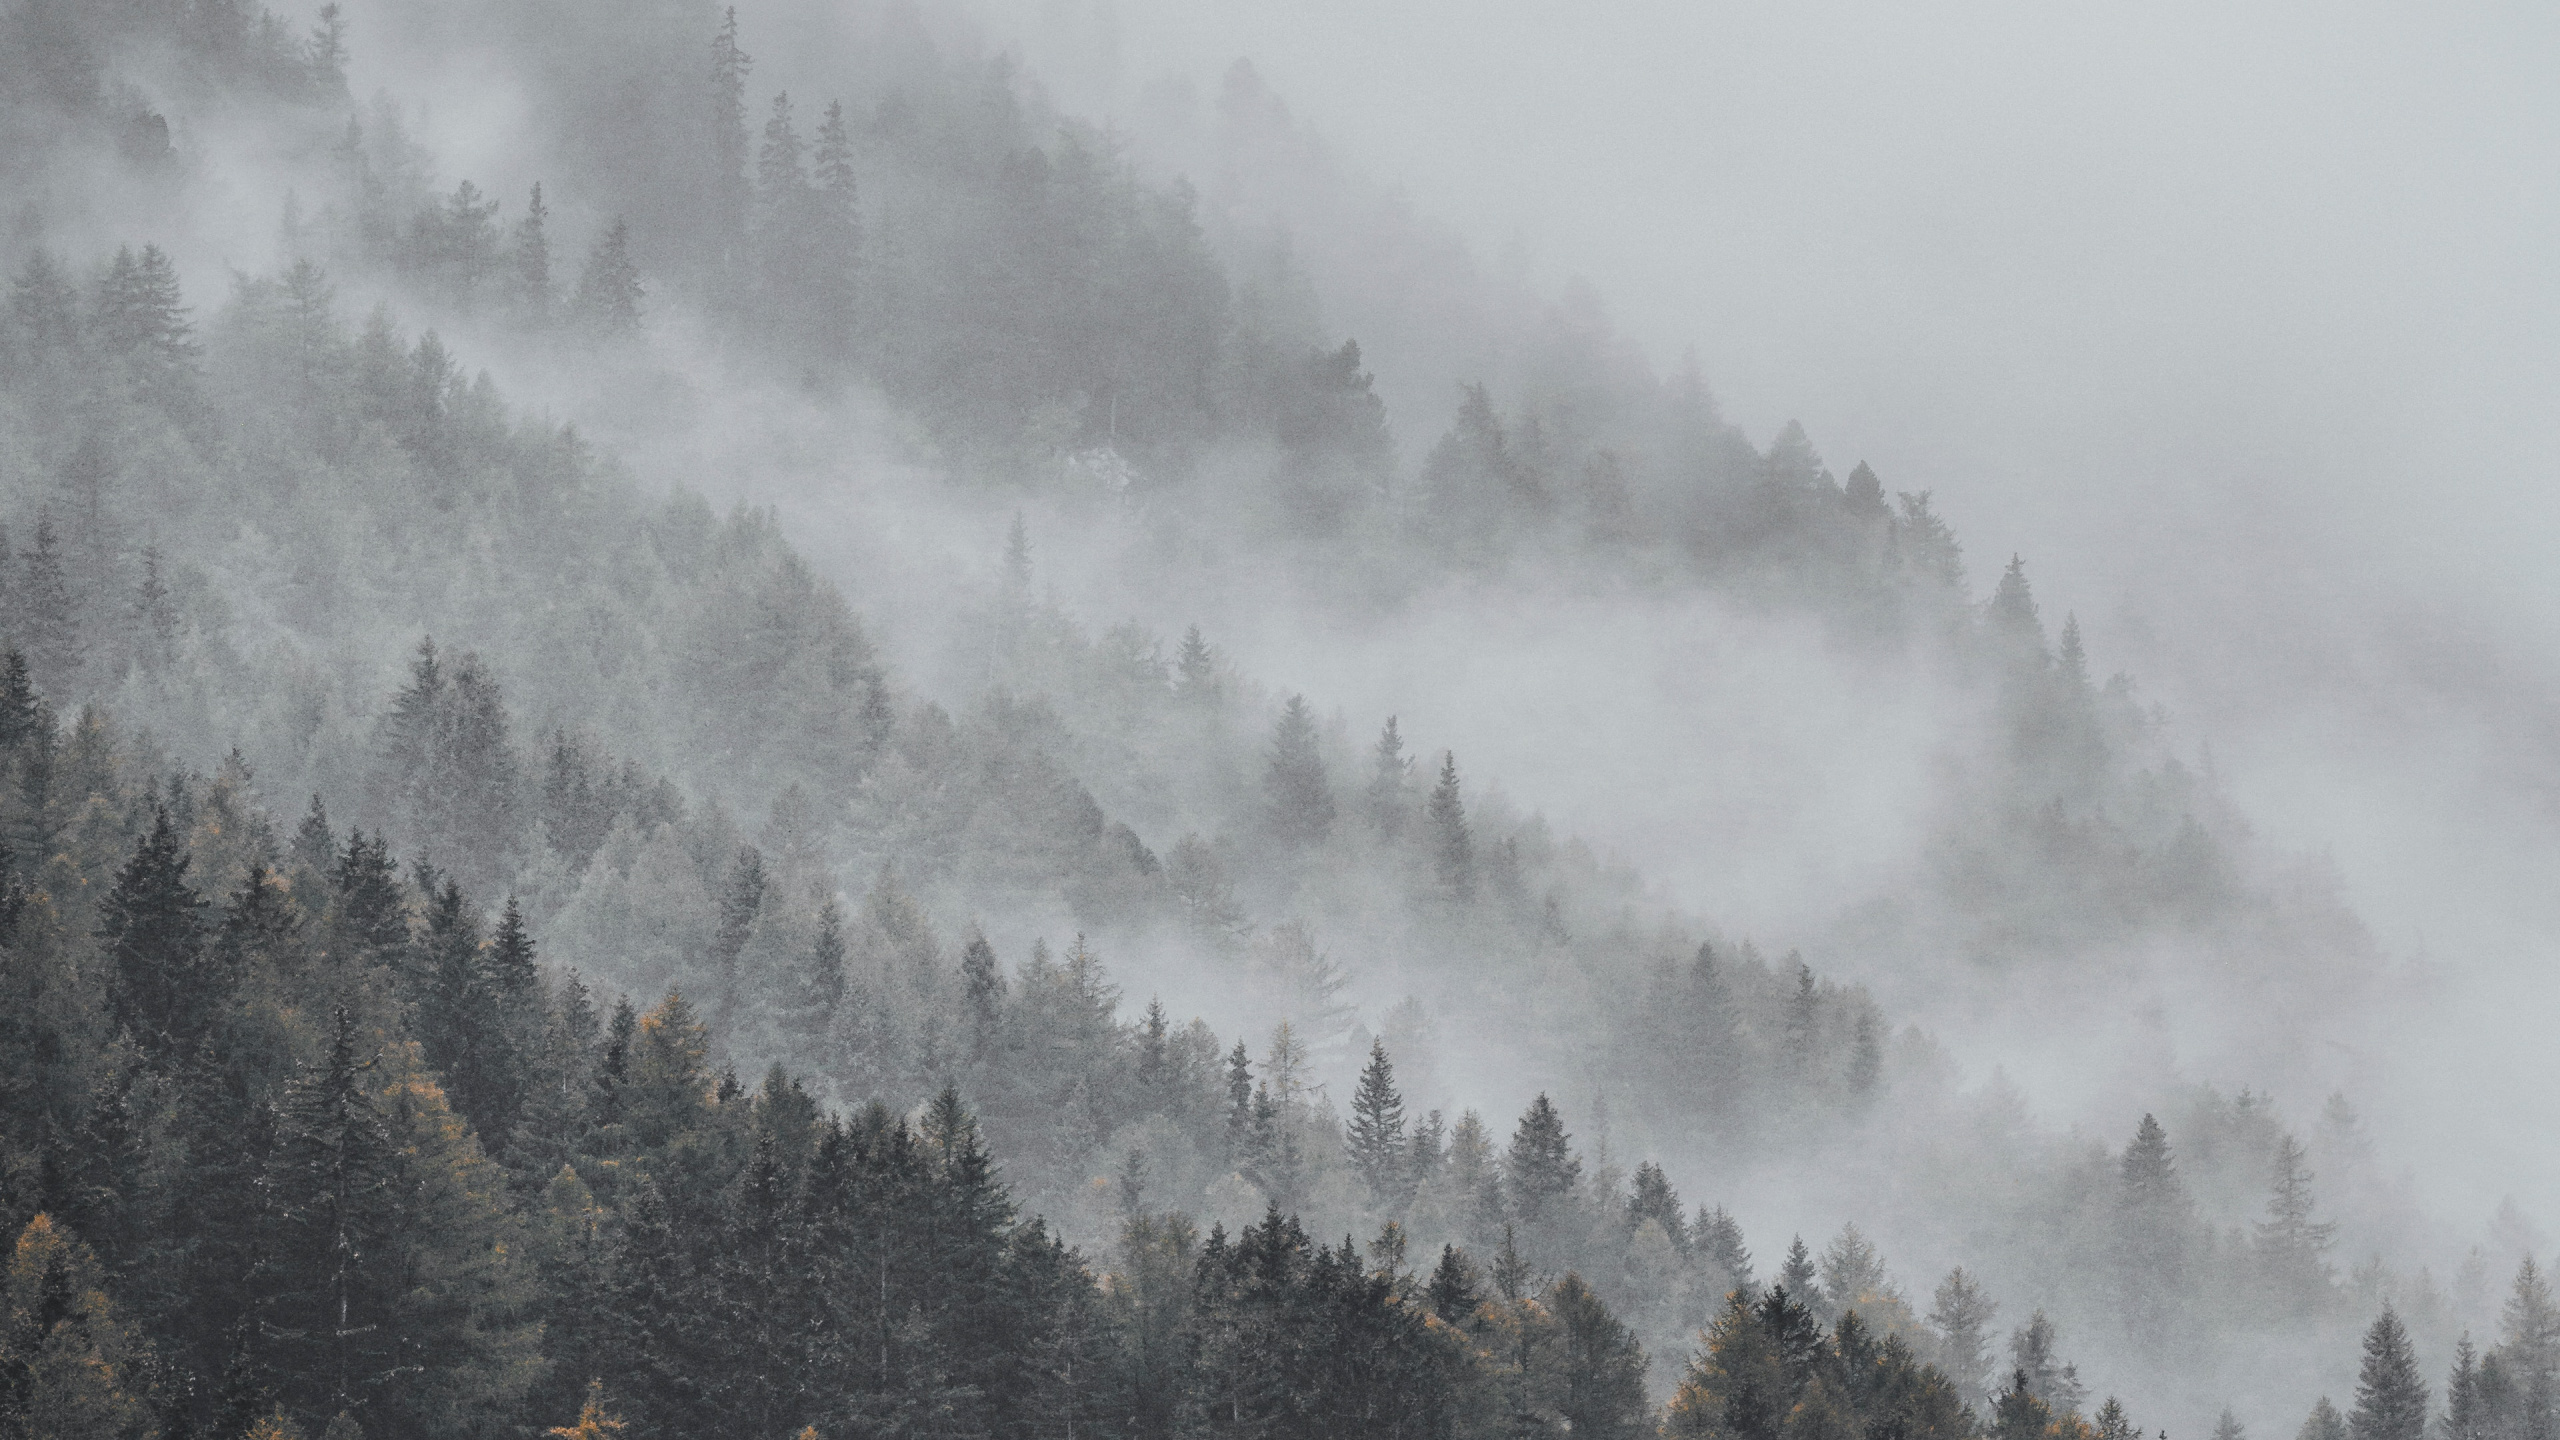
x,y
1961,1312
2391,1397
1452,848
2036,1348
2324,1423
1651,1198
46,618
165,984
1451,1291
1195,669
1376,1141
1294,780
1601,1367
609,289
329,1292
1797,1275
2292,1247
728,134
1719,1238
1390,773
1540,1171
533,260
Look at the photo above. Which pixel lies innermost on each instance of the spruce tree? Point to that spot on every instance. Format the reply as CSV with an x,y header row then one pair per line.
x,y
2152,1222
609,291
1376,1141
1452,1291
2391,1396
729,194
1719,1238
1452,848
331,1284
1601,1367
1652,1198
1293,781
532,253
1797,1275
1390,773
1540,1171
165,984
2036,1347
2292,1247
1195,669
44,614
21,712
2324,1423
1961,1312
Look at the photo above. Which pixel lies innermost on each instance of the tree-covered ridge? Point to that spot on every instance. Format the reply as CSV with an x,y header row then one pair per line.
x,y
647,746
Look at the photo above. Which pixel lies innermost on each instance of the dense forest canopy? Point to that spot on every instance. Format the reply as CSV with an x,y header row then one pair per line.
x,y
491,944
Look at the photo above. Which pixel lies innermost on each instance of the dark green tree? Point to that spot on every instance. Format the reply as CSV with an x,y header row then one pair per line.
x,y
1540,1171
1376,1139
166,984
2391,1396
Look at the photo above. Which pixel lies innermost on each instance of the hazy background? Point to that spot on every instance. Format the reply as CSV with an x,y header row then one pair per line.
x,y
2240,326
2240,323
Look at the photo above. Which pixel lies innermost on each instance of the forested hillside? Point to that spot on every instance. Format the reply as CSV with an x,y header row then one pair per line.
x,y
490,947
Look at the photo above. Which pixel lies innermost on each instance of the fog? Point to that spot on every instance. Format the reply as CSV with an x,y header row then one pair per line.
x,y
2239,329
2238,324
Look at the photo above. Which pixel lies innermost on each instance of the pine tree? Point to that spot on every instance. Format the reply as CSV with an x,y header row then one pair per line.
x,y
728,133
2036,1349
1377,1145
1719,1238
155,616
1452,1291
1294,781
2292,1247
2324,1423
45,617
983,980
2227,1426
1239,1103
22,715
2012,617
741,903
1195,669
2391,1397
1452,848
1797,1275
1652,1198
1601,1368
2465,1417
533,260
1852,1271
328,1292
2152,1218
152,923
2529,1349
1540,1171
609,289
1390,773
1961,1312
818,989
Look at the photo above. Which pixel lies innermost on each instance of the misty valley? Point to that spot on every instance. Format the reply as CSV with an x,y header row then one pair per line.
x,y
689,791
